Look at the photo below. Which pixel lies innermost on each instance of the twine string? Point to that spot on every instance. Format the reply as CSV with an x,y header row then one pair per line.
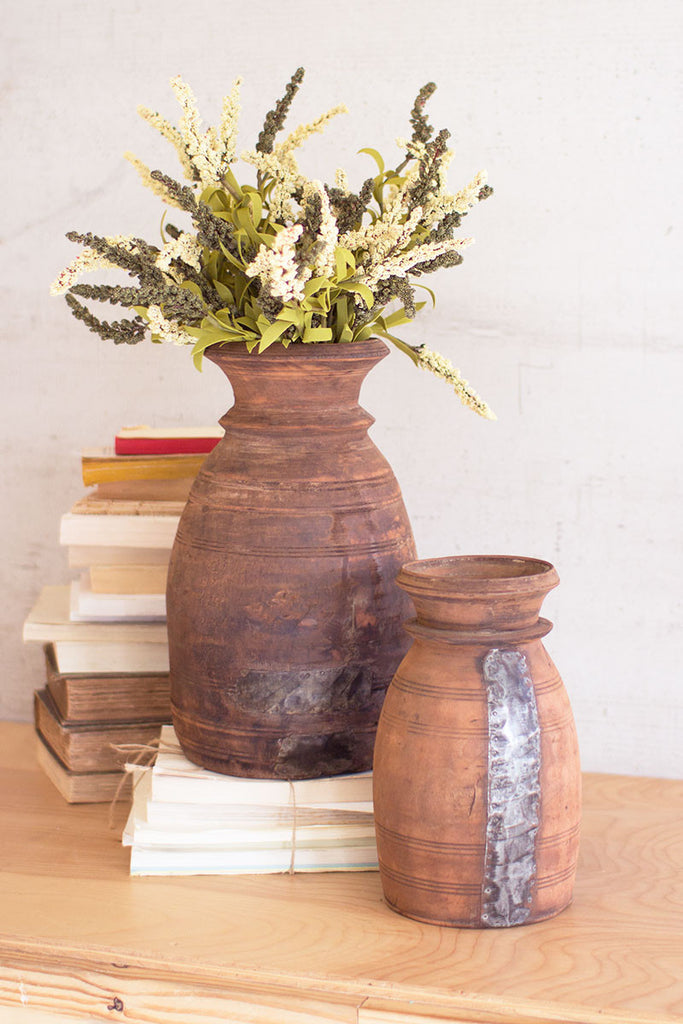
x,y
137,755
292,793
144,755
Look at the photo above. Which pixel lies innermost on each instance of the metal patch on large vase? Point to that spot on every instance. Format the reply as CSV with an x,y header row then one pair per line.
x,y
514,762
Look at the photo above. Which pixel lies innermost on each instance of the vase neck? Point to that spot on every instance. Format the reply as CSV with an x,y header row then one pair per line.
x,y
312,387
485,593
477,635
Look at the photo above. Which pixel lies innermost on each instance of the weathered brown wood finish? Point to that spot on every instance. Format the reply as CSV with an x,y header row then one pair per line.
x,y
77,934
284,618
477,785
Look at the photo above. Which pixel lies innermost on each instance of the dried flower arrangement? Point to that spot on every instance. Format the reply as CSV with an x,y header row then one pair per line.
x,y
289,259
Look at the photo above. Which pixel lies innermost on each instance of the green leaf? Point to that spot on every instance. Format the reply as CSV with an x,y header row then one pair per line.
x,y
292,315
431,294
314,334
341,309
364,332
234,187
392,178
376,157
382,179
232,259
223,316
345,263
360,289
242,284
247,323
216,199
224,292
192,286
402,345
343,314
204,340
322,302
243,219
396,319
255,204
272,334
314,284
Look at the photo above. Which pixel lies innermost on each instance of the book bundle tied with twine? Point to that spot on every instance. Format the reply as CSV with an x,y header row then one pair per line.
x,y
186,820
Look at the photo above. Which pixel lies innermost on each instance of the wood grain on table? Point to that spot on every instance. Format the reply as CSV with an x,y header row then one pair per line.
x,y
79,937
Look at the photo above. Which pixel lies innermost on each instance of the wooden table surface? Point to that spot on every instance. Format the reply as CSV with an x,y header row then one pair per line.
x,y
79,937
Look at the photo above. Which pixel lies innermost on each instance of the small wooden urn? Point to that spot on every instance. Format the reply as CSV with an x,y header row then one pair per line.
x,y
477,788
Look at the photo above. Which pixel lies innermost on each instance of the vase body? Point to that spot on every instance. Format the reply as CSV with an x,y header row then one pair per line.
x,y
284,618
477,788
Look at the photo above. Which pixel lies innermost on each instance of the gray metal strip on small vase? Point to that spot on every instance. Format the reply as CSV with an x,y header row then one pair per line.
x,y
514,762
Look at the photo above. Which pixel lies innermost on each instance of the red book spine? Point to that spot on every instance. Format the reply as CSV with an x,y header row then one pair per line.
x,y
164,445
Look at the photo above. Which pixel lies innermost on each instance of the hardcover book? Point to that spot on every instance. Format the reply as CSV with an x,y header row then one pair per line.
x,y
100,658
90,746
81,787
143,490
134,529
166,440
107,697
103,465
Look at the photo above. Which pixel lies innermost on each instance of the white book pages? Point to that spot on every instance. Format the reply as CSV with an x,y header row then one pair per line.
x,y
170,861
168,815
131,531
77,657
176,779
49,620
87,606
82,555
141,833
222,832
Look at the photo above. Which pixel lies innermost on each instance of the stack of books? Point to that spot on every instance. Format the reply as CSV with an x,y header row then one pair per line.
x,y
104,634
140,488
186,820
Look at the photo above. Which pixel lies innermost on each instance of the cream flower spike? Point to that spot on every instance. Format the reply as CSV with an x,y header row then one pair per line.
x,y
277,268
87,261
444,368
157,187
304,131
230,122
168,330
171,134
202,149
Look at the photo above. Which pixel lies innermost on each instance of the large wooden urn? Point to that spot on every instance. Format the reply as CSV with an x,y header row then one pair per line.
x,y
284,617
477,787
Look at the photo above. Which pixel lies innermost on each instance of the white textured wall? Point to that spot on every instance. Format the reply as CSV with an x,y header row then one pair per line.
x,y
566,315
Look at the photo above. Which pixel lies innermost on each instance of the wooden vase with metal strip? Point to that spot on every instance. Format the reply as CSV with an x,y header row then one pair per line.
x,y
477,787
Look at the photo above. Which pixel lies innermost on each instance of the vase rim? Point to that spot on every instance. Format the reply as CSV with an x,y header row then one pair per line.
x,y
470,573
373,348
